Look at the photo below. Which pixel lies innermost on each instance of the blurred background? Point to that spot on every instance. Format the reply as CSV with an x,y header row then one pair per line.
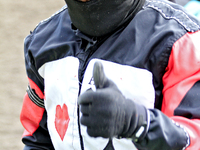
x,y
182,2
17,19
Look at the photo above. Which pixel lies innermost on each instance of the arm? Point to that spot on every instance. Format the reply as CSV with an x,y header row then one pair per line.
x,y
182,86
107,113
33,115
181,98
170,129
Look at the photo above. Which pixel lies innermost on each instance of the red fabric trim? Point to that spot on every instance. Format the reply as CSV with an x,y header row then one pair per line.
x,y
193,129
182,72
26,133
31,114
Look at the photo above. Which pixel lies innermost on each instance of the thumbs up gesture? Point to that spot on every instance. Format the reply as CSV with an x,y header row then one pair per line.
x,y
107,113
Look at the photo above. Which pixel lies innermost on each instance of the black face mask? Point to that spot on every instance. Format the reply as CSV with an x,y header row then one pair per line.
x,y
100,17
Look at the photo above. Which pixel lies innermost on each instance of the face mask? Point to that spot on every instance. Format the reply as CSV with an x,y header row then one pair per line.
x,y
100,17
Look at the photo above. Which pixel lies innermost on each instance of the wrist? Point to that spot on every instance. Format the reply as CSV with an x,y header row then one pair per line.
x,y
143,124
137,120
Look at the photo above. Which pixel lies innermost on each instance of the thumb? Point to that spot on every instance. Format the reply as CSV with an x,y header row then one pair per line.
x,y
100,79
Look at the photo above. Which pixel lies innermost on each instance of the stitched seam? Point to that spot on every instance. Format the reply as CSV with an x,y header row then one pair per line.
x,y
187,135
43,21
173,17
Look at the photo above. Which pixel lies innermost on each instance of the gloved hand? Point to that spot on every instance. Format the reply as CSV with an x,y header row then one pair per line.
x,y
107,113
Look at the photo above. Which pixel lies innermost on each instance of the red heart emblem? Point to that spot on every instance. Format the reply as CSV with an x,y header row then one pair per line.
x,y
61,120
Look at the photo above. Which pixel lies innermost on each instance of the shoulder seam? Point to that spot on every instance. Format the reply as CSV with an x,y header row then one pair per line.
x,y
58,12
191,26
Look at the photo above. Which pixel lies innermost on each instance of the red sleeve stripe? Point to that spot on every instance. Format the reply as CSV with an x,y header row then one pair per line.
x,y
182,72
31,114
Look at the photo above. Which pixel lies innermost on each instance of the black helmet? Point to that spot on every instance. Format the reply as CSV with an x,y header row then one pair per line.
x,y
99,17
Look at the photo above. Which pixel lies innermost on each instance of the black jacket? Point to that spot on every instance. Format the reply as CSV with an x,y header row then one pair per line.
x,y
161,39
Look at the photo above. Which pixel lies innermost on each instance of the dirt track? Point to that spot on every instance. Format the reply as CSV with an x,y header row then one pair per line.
x,y
17,18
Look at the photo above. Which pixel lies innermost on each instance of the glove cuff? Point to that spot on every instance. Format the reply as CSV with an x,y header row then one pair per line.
x,y
143,123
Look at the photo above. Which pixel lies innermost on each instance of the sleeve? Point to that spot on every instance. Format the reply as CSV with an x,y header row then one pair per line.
x,y
182,86
33,116
177,125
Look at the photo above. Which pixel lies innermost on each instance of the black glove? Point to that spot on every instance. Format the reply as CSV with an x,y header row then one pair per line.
x,y
107,113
